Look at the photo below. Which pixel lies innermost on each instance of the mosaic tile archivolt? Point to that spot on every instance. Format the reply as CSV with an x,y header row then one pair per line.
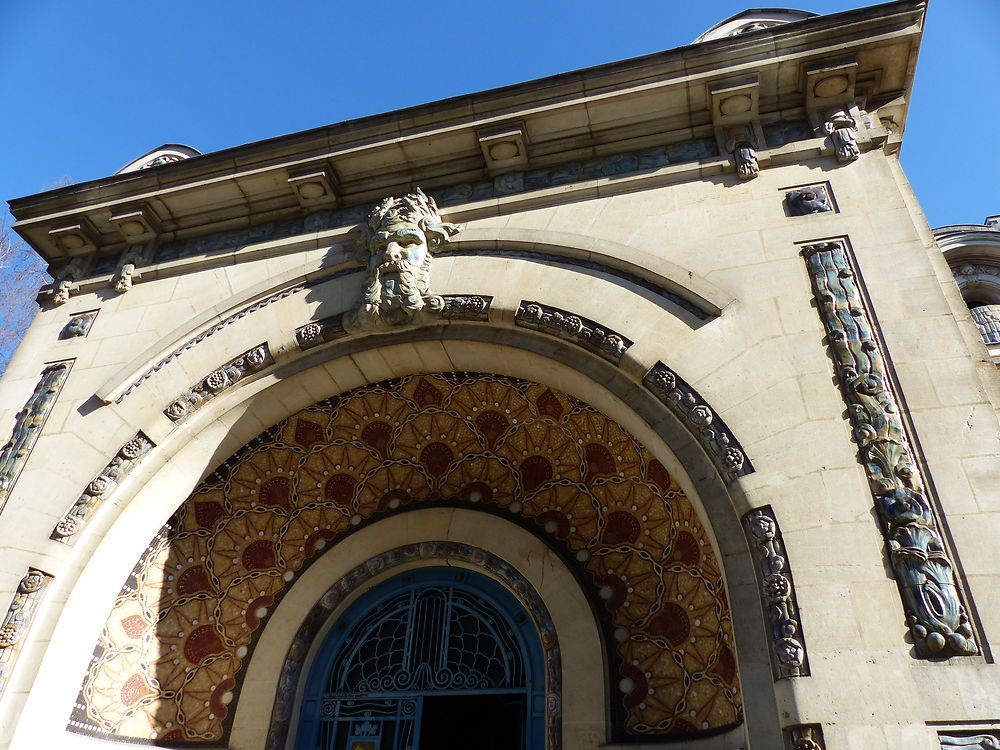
x,y
170,660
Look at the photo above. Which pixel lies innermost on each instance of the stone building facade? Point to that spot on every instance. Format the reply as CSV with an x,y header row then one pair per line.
x,y
635,405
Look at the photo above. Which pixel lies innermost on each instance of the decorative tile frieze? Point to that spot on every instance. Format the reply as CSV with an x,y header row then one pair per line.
x,y
775,134
777,591
18,619
28,425
251,361
239,315
938,623
970,740
101,487
713,434
466,307
79,325
566,325
320,331
808,200
510,447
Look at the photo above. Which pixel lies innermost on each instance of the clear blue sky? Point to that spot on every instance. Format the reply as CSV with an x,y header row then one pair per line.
x,y
89,86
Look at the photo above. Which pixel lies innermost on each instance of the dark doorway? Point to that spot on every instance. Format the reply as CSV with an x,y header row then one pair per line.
x,y
483,722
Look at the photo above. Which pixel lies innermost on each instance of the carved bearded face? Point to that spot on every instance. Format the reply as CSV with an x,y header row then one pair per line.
x,y
399,254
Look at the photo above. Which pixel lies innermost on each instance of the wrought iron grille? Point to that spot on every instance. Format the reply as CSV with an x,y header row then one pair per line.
x,y
430,635
428,639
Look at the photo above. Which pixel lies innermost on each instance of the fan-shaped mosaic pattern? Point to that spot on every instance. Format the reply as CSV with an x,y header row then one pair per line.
x,y
170,659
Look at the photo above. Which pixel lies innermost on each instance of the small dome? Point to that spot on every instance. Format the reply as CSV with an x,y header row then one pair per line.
x,y
165,154
753,19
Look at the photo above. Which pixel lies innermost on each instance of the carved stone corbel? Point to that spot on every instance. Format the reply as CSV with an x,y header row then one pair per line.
x,y
742,144
738,131
65,283
128,265
843,131
939,625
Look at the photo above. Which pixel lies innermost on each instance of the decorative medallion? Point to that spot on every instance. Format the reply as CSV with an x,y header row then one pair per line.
x,y
173,654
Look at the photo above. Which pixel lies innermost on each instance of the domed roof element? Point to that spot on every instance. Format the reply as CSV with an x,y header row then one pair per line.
x,y
165,154
753,19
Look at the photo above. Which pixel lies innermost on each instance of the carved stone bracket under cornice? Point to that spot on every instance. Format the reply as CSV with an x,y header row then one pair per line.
x,y
128,267
18,619
251,361
566,325
709,429
777,591
66,281
28,425
939,625
101,487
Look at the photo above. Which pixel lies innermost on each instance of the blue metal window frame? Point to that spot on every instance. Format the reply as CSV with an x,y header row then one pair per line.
x,y
315,731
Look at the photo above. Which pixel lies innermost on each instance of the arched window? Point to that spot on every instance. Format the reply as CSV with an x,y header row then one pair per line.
x,y
432,659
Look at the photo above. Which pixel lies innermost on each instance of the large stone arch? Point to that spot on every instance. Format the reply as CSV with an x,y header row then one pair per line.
x,y
179,625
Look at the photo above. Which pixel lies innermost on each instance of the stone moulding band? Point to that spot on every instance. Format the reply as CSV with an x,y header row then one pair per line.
x,y
935,614
552,259
205,334
18,619
251,361
692,152
583,332
28,425
101,487
292,670
777,592
706,426
472,307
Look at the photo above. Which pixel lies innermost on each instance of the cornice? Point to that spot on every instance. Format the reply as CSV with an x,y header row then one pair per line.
x,y
656,100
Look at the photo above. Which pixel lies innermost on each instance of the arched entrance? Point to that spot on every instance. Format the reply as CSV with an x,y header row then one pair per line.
x,y
432,658
172,660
